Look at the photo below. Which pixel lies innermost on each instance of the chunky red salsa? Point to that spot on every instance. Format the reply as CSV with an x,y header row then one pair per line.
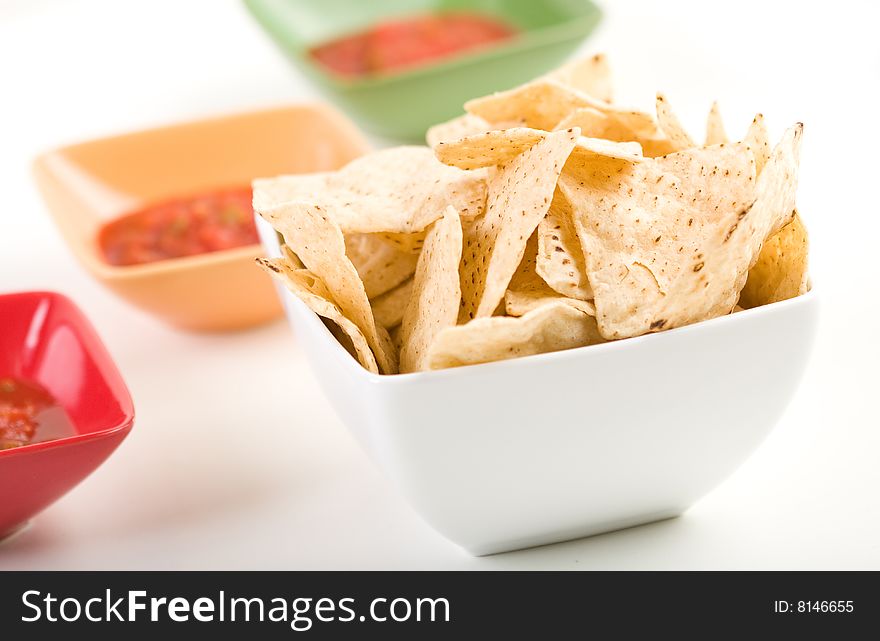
x,y
397,44
29,414
208,222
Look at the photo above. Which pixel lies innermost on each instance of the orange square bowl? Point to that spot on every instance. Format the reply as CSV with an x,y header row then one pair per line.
x,y
87,184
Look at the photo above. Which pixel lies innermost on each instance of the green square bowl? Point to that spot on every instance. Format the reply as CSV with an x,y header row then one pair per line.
x,y
403,105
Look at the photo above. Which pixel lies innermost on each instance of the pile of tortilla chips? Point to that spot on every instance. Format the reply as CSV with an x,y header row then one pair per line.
x,y
545,218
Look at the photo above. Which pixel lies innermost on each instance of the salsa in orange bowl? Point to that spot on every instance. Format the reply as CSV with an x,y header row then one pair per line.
x,y
199,224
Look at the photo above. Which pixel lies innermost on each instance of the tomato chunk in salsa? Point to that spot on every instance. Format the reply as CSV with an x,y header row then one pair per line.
x,y
29,414
398,44
209,222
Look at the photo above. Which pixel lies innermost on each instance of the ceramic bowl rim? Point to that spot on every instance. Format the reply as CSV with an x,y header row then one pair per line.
x,y
99,267
354,368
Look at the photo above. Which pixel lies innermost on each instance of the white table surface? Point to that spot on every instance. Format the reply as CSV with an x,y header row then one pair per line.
x,y
236,460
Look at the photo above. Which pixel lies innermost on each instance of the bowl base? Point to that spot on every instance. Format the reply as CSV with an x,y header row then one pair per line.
x,y
572,533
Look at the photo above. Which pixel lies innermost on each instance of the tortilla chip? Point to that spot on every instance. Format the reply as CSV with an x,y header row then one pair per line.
x,y
388,346
500,146
269,192
560,258
396,339
519,302
389,307
314,293
459,127
592,123
705,175
519,196
640,123
590,147
671,125
314,236
645,227
773,208
590,75
715,134
548,104
781,270
436,294
381,265
735,244
758,141
488,148
409,243
540,104
549,328
464,126
633,126
291,258
399,190
528,290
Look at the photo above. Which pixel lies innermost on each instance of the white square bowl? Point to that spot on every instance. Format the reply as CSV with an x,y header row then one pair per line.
x,y
558,446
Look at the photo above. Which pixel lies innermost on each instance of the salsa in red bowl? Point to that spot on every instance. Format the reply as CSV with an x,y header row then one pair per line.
x,y
30,414
199,224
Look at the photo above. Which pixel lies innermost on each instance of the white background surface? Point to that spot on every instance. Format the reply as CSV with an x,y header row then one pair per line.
x,y
237,461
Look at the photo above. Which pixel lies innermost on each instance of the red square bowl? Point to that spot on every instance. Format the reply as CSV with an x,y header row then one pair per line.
x,y
45,338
